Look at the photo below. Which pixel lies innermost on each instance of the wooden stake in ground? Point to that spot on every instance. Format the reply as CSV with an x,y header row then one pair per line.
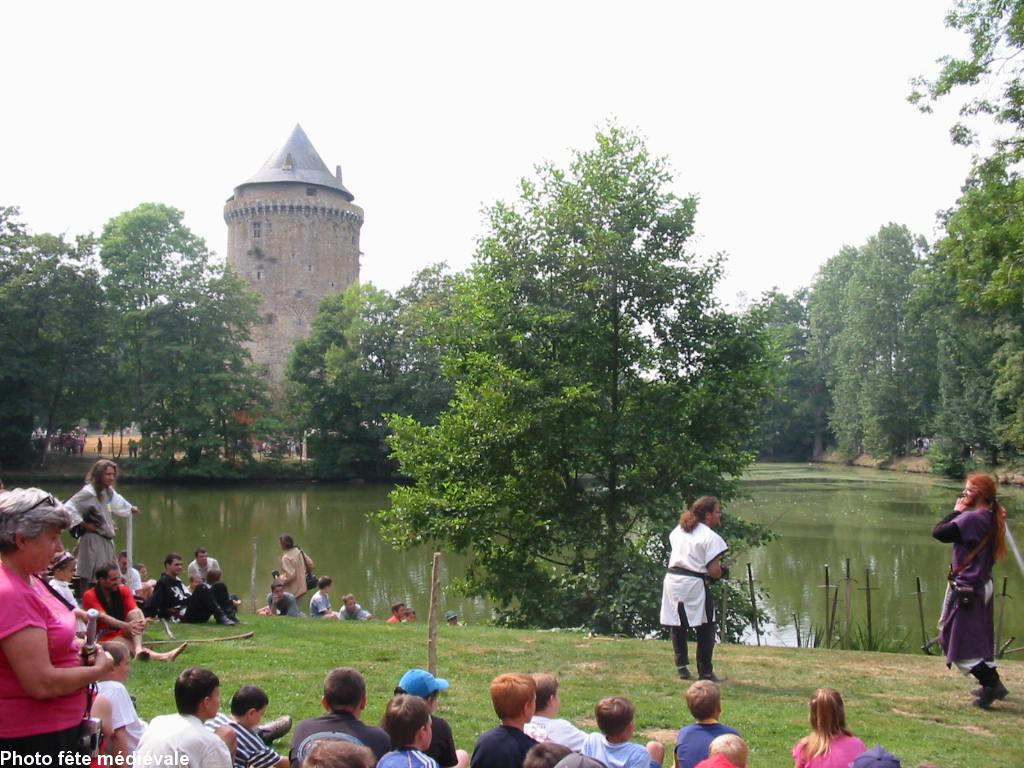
x,y
828,624
435,600
252,579
846,617
753,604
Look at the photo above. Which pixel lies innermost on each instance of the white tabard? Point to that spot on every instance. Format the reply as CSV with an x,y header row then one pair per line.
x,y
692,551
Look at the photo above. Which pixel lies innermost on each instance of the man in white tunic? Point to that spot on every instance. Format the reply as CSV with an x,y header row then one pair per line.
x,y
696,558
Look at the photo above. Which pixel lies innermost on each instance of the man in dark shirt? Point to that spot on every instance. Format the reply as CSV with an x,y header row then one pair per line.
x,y
515,699
344,700
171,600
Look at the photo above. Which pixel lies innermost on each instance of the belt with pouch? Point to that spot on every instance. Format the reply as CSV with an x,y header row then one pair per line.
x,y
677,570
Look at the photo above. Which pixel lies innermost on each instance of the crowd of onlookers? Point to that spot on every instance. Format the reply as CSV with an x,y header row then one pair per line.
x,y
530,733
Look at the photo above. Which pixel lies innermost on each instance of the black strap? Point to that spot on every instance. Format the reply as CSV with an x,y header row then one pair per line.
x,y
953,574
56,594
678,570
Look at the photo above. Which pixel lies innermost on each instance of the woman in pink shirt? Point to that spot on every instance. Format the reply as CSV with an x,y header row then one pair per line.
x,y
42,681
829,744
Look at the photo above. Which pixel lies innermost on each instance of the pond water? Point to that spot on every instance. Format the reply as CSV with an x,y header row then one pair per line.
x,y
821,514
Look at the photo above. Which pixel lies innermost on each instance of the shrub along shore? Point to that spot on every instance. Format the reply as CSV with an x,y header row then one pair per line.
x,y
912,705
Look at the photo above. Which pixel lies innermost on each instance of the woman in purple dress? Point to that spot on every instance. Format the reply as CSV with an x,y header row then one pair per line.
x,y
977,530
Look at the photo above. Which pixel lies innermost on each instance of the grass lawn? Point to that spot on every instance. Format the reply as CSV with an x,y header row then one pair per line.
x,y
912,705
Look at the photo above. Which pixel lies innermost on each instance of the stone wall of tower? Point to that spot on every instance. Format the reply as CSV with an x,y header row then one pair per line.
x,y
295,244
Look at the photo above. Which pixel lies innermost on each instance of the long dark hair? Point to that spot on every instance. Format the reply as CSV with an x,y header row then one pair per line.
x,y
697,512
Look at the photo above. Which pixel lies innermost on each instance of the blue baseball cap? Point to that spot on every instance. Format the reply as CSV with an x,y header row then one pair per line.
x,y
421,683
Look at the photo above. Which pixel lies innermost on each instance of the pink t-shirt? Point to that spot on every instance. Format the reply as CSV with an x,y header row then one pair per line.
x,y
22,606
841,752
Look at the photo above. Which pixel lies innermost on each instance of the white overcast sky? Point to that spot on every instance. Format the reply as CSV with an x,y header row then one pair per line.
x,y
787,119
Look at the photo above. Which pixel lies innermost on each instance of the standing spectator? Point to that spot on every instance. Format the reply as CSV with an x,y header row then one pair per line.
x,y
344,699
43,682
99,445
92,510
293,566
830,744
199,567
171,737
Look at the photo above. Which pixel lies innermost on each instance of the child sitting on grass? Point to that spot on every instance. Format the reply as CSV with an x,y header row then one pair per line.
x,y
248,750
612,746
726,751
704,700
505,746
407,721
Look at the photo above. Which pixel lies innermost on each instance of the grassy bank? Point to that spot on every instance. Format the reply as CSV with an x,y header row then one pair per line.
x,y
912,704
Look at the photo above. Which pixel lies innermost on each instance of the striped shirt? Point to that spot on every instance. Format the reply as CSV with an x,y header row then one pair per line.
x,y
250,751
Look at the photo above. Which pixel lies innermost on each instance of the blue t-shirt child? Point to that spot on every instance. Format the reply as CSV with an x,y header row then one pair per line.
x,y
694,741
406,758
623,754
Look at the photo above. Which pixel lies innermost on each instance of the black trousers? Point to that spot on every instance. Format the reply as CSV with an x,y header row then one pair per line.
x,y
201,606
705,638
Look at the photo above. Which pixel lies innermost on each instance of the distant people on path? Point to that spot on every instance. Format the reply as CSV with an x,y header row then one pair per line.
x,y
320,602
169,738
419,682
704,700
280,602
99,445
352,611
294,565
830,744
545,725
202,563
695,560
397,613
344,700
43,682
977,530
514,698
92,510
613,746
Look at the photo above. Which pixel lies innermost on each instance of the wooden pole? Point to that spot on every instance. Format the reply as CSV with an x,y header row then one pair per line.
x,y
753,604
920,612
252,579
867,592
129,544
999,624
722,634
796,623
847,607
832,618
828,624
435,601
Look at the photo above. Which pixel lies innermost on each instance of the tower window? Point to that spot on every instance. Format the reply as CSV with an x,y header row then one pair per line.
x,y
257,230
259,274
311,191
309,267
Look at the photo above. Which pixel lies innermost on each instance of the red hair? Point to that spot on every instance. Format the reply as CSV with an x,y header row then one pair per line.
x,y
985,485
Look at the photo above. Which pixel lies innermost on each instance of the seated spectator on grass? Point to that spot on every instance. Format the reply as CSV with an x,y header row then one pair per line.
x,y
62,571
279,602
228,602
419,682
409,616
339,754
505,746
704,700
169,738
132,578
397,613
877,757
172,601
407,722
545,755
200,567
119,615
613,745
545,724
352,611
726,751
248,706
344,700
320,602
126,726
830,744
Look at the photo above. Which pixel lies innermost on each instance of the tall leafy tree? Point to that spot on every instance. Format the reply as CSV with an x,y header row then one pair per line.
x,y
182,322
599,387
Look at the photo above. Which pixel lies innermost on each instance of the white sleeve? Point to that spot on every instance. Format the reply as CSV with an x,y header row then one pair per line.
x,y
715,546
123,710
119,505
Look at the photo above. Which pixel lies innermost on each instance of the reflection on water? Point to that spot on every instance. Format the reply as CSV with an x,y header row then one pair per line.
x,y
881,522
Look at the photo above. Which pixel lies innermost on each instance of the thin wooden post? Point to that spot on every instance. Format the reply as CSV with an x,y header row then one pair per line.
x,y
252,579
867,592
796,623
828,624
847,607
722,634
832,618
435,600
920,612
753,604
999,624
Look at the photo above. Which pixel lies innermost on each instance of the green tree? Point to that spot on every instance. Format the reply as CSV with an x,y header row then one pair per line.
x,y
182,322
54,317
370,353
598,388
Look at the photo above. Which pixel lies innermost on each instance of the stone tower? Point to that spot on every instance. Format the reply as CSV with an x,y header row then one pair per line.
x,y
293,234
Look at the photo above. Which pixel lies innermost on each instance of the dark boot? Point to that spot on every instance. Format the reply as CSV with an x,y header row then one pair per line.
x,y
992,688
275,729
223,619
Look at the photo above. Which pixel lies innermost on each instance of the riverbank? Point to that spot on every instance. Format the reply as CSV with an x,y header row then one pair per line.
x,y
911,704
1007,474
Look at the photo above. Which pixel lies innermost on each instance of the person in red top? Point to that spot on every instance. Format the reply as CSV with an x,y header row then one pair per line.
x,y
726,751
120,616
397,613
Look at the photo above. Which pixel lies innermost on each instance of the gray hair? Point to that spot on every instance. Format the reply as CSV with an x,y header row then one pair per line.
x,y
29,511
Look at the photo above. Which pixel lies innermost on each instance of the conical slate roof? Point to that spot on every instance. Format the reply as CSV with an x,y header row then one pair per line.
x,y
298,161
